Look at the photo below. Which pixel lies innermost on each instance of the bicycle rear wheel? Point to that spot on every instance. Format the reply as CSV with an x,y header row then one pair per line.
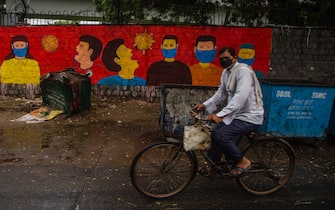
x,y
162,170
272,161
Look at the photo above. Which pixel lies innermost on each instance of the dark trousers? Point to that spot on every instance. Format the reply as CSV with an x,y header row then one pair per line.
x,y
222,140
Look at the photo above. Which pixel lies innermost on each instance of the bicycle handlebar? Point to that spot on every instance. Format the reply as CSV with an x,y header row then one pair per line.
x,y
198,116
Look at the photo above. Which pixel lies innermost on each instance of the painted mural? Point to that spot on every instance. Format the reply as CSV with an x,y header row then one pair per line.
x,y
19,67
205,72
88,51
169,70
117,57
246,54
131,55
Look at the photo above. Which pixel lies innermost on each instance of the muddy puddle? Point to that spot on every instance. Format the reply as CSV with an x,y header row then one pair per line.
x,y
112,143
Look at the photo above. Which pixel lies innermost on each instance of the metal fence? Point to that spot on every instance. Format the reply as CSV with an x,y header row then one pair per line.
x,y
51,18
85,17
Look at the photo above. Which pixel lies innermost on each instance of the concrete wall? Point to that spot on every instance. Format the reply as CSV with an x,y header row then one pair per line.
x,y
286,53
129,55
303,54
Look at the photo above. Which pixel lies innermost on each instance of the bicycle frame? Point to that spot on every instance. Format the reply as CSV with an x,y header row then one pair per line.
x,y
163,169
224,172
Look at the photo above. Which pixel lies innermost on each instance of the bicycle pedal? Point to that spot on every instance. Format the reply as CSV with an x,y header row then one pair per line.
x,y
206,171
223,175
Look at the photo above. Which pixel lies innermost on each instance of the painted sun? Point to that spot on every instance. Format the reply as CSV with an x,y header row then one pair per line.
x,y
144,41
49,43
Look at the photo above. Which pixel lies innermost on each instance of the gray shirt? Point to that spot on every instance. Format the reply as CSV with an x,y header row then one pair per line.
x,y
241,100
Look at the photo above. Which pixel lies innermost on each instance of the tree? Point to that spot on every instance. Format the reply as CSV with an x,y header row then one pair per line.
x,y
245,12
200,12
118,11
156,11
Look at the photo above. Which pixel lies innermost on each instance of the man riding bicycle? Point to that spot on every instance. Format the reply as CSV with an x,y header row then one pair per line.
x,y
243,112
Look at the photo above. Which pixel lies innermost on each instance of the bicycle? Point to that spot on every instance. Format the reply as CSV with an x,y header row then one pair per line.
x,y
164,169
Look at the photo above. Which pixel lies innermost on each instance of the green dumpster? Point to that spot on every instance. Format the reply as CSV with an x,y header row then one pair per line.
x,y
66,90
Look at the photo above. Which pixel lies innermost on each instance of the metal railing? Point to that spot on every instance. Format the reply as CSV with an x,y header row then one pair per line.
x,y
51,18
87,17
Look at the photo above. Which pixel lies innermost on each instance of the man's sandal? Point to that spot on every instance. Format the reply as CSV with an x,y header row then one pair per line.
x,y
238,171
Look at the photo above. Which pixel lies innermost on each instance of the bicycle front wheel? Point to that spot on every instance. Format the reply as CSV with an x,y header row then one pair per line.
x,y
272,161
162,170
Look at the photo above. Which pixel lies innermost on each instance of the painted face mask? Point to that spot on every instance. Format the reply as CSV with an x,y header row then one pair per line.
x,y
246,54
205,56
246,61
20,52
171,53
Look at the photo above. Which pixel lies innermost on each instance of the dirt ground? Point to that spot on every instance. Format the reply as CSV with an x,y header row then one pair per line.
x,y
114,109
135,114
106,138
121,125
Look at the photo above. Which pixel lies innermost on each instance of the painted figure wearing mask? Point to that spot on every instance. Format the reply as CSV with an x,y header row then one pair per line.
x,y
169,70
246,54
204,72
20,68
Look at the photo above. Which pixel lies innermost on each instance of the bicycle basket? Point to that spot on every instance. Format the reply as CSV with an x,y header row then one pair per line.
x,y
196,137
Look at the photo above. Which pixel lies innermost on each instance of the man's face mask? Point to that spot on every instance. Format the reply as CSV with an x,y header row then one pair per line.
x,y
205,56
226,62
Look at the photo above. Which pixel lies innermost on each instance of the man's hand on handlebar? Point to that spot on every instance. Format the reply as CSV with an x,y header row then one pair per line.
x,y
199,107
211,117
214,118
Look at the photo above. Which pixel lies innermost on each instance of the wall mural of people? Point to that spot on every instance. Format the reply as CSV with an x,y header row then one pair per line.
x,y
117,57
20,68
87,51
169,70
122,55
204,72
246,54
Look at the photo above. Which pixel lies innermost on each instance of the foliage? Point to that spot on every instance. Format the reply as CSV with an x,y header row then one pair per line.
x,y
302,12
279,12
118,11
2,5
157,11
235,12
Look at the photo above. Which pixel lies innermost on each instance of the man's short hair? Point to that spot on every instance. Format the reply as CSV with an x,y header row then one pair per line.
x,y
227,49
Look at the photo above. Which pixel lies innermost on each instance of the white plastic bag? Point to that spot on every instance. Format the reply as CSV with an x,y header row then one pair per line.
x,y
196,137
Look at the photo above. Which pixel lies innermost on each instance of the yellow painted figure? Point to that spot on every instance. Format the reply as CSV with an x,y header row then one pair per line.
x,y
20,71
19,67
117,57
